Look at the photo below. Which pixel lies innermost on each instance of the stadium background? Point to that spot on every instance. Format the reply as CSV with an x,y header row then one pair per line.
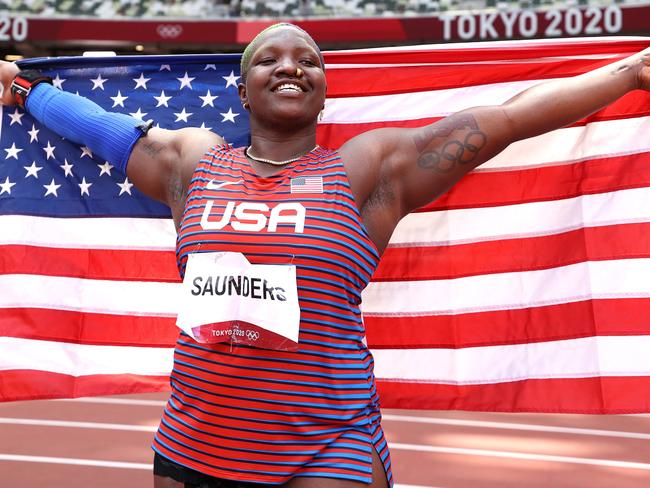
x,y
32,28
104,442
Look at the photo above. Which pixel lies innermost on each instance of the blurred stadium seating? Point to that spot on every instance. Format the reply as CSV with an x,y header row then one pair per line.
x,y
269,9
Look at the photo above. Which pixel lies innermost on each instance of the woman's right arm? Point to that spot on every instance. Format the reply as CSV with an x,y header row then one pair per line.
x,y
162,163
158,162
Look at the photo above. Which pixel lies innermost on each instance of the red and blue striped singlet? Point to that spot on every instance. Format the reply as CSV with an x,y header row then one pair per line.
x,y
251,414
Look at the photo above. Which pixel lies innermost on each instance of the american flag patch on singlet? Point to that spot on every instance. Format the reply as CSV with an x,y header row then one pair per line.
x,y
307,184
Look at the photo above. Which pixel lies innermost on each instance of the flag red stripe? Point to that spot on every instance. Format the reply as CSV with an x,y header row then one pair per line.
x,y
482,189
344,82
485,52
44,385
104,264
404,263
586,318
610,394
88,328
399,263
553,322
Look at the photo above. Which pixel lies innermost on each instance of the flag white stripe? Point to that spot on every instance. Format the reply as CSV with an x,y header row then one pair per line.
x,y
574,358
431,228
532,219
87,295
626,278
90,233
82,359
418,105
617,137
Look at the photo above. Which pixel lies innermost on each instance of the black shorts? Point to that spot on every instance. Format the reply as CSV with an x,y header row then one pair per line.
x,y
194,479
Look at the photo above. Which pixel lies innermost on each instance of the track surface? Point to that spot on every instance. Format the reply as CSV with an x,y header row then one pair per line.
x,y
104,442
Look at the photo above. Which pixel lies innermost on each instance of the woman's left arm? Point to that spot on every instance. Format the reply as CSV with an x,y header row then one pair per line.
x,y
399,170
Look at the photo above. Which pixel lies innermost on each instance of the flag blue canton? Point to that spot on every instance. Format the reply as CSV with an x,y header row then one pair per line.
x,y
43,174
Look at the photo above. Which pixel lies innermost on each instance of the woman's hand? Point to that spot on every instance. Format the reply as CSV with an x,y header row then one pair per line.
x,y
8,72
644,71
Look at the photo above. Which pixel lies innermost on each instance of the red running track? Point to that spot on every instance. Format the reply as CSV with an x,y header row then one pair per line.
x,y
104,442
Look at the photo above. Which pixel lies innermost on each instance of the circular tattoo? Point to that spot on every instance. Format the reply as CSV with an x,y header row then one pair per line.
x,y
474,142
431,160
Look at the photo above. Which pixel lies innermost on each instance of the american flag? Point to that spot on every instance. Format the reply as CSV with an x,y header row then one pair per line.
x,y
523,289
309,184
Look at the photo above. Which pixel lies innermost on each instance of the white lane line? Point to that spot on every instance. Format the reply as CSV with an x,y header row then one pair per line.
x,y
116,401
74,461
520,455
515,426
78,425
388,417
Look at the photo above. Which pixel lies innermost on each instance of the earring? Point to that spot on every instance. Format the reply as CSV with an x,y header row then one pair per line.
x,y
245,105
320,115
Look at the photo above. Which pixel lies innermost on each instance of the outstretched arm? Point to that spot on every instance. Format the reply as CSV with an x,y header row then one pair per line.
x,y
158,162
394,171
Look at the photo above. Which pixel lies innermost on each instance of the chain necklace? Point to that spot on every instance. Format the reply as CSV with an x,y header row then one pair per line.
x,y
273,162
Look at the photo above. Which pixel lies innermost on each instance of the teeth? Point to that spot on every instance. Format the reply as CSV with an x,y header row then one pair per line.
x,y
288,86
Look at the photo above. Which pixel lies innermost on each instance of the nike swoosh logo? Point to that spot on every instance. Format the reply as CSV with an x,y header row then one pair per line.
x,y
213,185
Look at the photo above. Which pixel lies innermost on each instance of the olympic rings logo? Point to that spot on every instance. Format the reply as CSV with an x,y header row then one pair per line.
x,y
169,31
452,152
252,335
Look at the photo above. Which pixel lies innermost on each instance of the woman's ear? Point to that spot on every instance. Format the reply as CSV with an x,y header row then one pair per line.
x,y
243,96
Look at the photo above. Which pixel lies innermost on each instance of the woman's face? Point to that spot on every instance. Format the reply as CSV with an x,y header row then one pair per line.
x,y
273,91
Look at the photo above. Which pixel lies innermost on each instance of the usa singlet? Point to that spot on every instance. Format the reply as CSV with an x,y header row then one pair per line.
x,y
251,414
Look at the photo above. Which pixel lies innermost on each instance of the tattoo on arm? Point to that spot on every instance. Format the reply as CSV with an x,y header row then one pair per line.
x,y
461,150
152,149
176,193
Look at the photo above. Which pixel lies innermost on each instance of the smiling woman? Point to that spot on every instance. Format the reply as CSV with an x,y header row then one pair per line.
x,y
245,410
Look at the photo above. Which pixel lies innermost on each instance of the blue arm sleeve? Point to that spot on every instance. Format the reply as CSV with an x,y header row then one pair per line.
x,y
110,135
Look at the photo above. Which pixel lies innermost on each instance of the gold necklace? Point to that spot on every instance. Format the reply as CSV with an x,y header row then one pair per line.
x,y
273,162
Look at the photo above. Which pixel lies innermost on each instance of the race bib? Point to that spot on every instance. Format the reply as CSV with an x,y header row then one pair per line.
x,y
227,299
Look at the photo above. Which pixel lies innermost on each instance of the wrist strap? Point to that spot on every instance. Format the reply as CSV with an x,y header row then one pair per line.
x,y
24,82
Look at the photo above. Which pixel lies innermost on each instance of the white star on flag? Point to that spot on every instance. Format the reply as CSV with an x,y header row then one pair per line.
x,y
208,99
210,66
125,187
165,67
162,99
67,168
49,150
33,170
186,81
84,186
203,126
33,134
13,151
183,115
231,79
57,81
15,117
52,189
141,82
229,116
98,82
6,186
105,168
139,114
85,151
118,99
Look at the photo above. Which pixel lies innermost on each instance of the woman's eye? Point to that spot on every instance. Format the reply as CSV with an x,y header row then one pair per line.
x,y
266,61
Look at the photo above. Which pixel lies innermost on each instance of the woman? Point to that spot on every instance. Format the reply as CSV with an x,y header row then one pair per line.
x,y
240,414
